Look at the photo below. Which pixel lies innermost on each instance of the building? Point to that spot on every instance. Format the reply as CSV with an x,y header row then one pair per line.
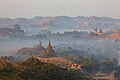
x,y
37,49
103,76
116,31
49,52
39,46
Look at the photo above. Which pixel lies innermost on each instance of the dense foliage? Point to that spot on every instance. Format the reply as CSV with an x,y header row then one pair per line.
x,y
117,72
33,69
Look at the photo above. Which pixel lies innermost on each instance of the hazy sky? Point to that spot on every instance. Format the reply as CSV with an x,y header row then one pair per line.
x,y
31,8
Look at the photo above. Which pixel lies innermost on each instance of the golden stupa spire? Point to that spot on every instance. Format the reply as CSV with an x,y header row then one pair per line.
x,y
49,47
49,52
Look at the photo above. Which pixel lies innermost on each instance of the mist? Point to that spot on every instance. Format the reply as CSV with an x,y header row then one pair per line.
x,y
106,47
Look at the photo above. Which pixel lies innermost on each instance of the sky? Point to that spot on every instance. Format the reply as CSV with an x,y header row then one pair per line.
x,y
31,8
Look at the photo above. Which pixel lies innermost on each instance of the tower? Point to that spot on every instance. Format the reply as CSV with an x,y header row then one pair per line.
x,y
39,46
49,52
100,31
49,47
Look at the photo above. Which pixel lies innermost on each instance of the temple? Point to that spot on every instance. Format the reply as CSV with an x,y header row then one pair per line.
x,y
39,46
49,52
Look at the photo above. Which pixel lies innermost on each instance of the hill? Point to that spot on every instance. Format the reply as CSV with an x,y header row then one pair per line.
x,y
33,69
61,23
63,63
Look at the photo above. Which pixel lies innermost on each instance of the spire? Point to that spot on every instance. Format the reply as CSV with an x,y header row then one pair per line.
x,y
49,44
49,48
39,46
100,31
49,52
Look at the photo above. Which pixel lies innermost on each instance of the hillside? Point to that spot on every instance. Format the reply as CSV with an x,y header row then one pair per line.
x,y
33,69
61,62
114,36
61,23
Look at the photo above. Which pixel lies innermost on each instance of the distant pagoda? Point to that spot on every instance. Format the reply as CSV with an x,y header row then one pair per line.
x,y
39,46
49,52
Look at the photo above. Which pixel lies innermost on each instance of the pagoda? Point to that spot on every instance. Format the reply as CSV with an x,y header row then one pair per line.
x,y
49,52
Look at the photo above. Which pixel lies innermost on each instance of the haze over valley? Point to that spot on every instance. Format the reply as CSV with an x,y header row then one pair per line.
x,y
59,40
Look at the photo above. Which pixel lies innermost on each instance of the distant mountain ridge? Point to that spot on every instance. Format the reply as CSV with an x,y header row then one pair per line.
x,y
61,23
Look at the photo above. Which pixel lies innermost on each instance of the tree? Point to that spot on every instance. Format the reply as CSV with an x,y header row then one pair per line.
x,y
17,27
100,30
96,30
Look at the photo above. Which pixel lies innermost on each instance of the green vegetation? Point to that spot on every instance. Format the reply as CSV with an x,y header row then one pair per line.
x,y
33,69
106,66
117,72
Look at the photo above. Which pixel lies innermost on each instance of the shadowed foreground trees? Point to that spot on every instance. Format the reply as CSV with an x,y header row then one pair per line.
x,y
33,69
